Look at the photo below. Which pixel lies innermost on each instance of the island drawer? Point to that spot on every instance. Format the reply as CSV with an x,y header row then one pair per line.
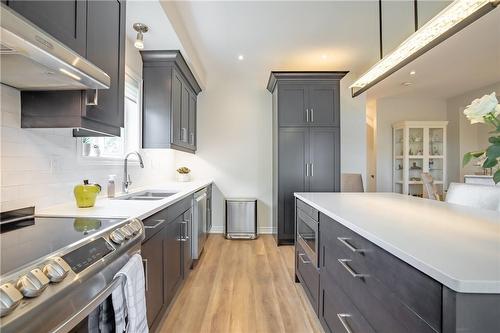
x,y
337,313
310,211
308,275
371,275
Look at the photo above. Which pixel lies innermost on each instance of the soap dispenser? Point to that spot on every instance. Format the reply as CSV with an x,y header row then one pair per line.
x,y
111,186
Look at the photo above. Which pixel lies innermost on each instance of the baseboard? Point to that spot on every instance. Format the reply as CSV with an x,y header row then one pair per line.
x,y
219,229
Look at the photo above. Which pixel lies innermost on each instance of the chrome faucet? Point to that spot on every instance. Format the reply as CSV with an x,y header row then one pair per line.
x,y
126,177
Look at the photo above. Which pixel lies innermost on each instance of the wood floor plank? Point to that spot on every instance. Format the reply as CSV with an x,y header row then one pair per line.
x,y
242,286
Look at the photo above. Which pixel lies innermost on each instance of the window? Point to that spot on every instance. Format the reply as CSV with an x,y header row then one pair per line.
x,y
113,148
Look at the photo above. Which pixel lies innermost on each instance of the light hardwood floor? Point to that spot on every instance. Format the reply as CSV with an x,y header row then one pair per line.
x,y
242,286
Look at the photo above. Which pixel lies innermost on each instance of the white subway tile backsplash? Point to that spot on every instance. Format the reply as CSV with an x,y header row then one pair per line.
x,y
39,167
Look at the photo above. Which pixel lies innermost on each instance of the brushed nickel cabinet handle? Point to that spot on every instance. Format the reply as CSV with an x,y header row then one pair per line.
x,y
307,115
92,97
312,115
301,256
145,264
345,264
312,169
342,317
344,240
155,225
307,169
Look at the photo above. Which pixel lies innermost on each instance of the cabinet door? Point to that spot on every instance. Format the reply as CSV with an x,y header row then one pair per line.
x,y
176,108
293,154
152,257
209,208
172,259
324,148
324,105
106,49
185,99
192,121
292,104
187,236
63,20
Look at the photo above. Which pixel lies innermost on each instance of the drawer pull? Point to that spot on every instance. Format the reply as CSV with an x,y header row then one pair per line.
x,y
344,263
301,256
344,240
342,317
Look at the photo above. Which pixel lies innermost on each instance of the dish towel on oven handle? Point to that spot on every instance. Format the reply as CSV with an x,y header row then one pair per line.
x,y
130,311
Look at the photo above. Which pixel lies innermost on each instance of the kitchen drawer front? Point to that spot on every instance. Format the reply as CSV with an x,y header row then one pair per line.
x,y
308,210
410,296
308,275
337,313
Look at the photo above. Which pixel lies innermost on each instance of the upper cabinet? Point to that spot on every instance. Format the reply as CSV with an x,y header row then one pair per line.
x,y
308,102
64,20
169,102
96,31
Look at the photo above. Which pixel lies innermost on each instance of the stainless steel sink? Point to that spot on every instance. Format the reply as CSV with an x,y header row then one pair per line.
x,y
146,195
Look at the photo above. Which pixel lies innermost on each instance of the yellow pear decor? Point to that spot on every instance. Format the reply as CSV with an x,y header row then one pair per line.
x,y
85,194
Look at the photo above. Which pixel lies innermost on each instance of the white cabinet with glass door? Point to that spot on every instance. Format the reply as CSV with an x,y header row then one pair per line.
x,y
418,146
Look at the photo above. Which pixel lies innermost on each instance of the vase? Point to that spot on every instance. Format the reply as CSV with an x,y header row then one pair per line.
x,y
86,149
183,177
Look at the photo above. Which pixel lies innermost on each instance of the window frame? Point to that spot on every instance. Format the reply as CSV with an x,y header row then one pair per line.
x,y
110,160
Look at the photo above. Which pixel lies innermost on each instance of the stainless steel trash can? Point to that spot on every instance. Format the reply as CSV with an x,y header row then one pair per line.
x,y
241,218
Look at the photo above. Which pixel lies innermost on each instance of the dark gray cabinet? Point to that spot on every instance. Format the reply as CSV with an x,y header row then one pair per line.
x,y
64,20
152,258
360,287
172,265
166,253
104,42
306,141
169,101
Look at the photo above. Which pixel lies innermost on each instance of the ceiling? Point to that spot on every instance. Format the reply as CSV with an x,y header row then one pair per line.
x,y
281,35
466,61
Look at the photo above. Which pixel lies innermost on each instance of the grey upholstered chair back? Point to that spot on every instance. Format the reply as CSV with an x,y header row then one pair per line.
x,y
479,196
351,182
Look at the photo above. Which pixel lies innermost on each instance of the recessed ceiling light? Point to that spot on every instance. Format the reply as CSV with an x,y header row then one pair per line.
x,y
324,56
241,57
413,73
406,84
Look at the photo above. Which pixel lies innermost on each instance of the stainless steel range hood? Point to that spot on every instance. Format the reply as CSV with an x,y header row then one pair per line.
x,y
31,59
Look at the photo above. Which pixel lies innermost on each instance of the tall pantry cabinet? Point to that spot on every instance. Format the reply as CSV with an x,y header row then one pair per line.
x,y
306,141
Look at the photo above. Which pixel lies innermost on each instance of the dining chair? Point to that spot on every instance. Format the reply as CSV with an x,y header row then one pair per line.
x,y
473,195
430,189
351,182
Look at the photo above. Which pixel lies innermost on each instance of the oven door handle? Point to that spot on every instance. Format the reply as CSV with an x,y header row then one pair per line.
x,y
87,309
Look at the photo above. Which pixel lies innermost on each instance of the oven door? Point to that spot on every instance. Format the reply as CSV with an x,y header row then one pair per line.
x,y
307,235
98,314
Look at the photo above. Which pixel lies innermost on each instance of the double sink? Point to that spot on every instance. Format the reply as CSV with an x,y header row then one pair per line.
x,y
146,195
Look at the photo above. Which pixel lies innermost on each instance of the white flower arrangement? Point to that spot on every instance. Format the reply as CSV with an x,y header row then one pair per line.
x,y
482,107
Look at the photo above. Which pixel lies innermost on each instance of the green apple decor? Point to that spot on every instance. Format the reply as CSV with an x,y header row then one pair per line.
x,y
486,110
85,194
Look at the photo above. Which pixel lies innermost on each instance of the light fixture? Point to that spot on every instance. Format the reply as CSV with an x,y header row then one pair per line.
x,y
241,57
449,21
406,84
324,56
413,73
141,29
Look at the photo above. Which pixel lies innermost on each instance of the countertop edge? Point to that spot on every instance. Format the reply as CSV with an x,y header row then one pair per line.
x,y
46,212
459,286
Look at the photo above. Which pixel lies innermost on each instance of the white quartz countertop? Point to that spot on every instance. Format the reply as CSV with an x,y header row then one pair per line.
x,y
112,208
456,245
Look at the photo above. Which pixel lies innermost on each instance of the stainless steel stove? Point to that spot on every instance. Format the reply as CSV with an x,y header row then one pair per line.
x,y
55,271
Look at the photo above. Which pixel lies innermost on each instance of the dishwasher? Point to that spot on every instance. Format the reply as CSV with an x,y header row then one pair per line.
x,y
199,222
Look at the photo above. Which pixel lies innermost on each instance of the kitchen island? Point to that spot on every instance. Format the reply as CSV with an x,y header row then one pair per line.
x,y
415,265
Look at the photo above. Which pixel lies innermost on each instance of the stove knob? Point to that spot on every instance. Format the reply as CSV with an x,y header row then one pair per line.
x,y
133,228
56,270
9,298
33,283
126,231
117,237
137,225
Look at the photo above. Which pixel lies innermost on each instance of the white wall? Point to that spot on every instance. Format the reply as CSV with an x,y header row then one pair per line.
x,y
40,166
462,136
389,111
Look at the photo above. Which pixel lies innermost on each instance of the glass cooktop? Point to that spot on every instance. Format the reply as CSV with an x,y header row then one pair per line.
x,y
30,239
